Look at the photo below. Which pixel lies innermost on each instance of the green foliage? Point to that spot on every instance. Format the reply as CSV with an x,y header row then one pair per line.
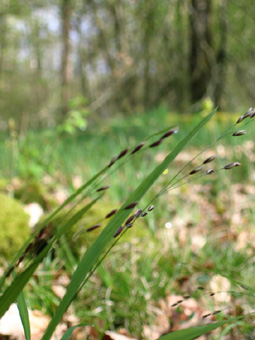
x,y
14,227
76,116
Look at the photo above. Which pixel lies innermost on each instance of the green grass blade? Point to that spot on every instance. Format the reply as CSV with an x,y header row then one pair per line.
x,y
92,255
70,330
13,291
23,312
194,332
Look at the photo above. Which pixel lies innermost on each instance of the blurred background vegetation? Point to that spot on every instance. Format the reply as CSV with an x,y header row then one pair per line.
x,y
120,57
79,81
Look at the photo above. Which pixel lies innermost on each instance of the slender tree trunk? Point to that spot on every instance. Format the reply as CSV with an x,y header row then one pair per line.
x,y
66,63
200,48
221,57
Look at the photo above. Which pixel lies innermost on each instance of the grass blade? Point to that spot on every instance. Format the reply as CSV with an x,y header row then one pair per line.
x,y
70,330
93,254
193,332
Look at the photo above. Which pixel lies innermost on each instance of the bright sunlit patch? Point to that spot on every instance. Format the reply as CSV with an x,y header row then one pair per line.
x,y
165,172
168,225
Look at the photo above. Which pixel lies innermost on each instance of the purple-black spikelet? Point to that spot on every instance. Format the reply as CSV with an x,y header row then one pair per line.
x,y
119,230
131,205
194,171
123,153
94,227
113,160
209,159
153,145
137,148
103,188
111,213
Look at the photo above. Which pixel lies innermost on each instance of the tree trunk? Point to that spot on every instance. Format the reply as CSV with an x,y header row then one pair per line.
x,y
200,59
221,57
66,63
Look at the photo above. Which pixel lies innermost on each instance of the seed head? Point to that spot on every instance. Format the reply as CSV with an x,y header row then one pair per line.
x,y
123,153
94,227
118,231
252,113
216,312
129,225
103,188
239,133
209,159
151,207
194,171
206,315
186,297
137,148
240,119
111,213
20,259
231,165
131,205
130,219
169,133
112,161
209,171
138,213
144,214
156,143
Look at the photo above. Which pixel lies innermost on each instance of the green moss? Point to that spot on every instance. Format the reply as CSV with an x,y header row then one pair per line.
x,y
14,229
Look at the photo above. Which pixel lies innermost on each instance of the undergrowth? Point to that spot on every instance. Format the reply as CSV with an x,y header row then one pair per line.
x,y
174,248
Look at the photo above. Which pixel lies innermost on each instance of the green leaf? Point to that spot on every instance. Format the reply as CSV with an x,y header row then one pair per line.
x,y
23,312
70,330
93,254
193,332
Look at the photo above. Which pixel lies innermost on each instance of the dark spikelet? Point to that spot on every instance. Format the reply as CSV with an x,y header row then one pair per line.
x,y
253,113
94,227
244,287
239,133
131,205
113,160
231,165
28,248
200,288
20,259
186,297
144,214
174,304
179,301
138,213
169,133
103,188
118,231
153,145
240,119
10,270
206,315
209,171
212,294
111,213
129,225
151,207
123,153
209,159
137,148
216,312
194,171
130,219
